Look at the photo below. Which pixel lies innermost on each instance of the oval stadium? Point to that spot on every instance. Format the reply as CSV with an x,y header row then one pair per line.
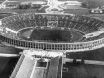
x,y
49,40
67,32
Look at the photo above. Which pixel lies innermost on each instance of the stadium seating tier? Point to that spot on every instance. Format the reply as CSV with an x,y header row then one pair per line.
x,y
13,24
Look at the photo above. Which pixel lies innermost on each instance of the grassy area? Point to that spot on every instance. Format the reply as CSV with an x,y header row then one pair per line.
x,y
83,71
18,10
13,0
2,0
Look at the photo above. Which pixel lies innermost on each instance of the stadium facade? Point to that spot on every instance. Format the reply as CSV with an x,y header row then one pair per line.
x,y
48,39
87,26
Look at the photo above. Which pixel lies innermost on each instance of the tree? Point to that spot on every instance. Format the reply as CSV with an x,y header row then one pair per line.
x,y
85,4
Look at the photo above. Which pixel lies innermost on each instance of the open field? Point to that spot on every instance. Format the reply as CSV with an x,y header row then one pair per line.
x,y
0,2
18,11
96,2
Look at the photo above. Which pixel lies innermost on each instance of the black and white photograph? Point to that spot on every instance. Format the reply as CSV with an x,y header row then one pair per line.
x,y
51,38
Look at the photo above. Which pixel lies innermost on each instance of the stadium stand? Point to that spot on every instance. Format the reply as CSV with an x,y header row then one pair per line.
x,y
64,21
12,25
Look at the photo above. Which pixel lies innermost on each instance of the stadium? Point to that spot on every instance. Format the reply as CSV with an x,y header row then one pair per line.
x,y
50,39
72,33
54,35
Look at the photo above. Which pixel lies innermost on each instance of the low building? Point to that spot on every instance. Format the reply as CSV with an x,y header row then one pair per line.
x,y
96,11
11,4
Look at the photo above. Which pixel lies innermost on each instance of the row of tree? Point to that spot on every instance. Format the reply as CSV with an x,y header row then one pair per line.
x,y
29,6
90,5
85,4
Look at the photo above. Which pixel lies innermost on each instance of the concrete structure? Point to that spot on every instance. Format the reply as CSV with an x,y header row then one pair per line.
x,y
61,5
54,6
39,64
30,66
